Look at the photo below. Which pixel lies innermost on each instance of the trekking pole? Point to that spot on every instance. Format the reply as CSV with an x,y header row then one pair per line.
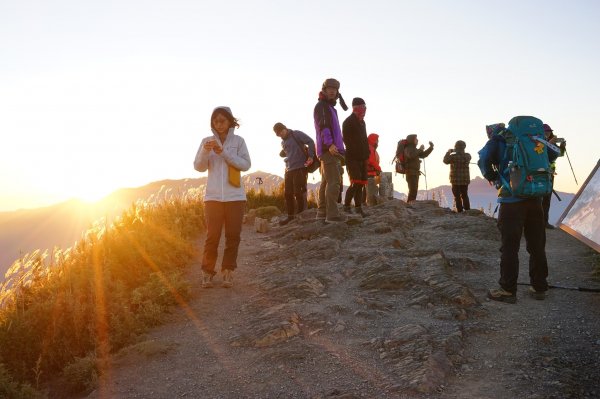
x,y
572,171
582,289
555,193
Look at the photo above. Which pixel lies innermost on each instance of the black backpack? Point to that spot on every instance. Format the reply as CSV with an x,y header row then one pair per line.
x,y
400,159
316,163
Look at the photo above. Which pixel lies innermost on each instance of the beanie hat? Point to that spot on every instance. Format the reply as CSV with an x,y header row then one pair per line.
x,y
278,127
460,145
357,101
547,128
411,138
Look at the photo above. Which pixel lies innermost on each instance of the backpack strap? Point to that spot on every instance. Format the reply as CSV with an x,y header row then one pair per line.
x,y
302,147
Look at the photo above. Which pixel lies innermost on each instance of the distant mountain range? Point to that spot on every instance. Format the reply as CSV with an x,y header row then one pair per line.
x,y
26,230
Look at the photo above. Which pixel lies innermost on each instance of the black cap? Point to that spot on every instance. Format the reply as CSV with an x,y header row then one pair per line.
x,y
278,127
357,101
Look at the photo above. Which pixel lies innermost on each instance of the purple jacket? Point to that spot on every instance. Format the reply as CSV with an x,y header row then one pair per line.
x,y
327,126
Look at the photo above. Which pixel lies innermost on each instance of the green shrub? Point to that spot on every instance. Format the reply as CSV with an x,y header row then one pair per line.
x,y
81,375
9,389
267,212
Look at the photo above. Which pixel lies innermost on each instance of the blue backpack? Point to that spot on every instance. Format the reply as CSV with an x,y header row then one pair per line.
x,y
528,167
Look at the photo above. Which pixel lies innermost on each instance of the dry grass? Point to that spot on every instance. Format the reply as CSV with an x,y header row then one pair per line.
x,y
64,314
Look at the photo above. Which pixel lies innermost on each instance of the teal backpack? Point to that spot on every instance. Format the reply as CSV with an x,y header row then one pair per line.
x,y
528,167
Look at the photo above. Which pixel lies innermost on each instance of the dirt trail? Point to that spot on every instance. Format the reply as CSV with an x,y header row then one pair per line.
x,y
263,339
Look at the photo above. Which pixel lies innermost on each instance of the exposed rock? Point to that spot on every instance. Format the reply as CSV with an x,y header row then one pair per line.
x,y
261,225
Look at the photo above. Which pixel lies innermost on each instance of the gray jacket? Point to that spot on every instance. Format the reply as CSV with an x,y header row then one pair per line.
x,y
234,153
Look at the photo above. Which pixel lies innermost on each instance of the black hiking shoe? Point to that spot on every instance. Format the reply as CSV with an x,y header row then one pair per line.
x,y
347,209
286,220
501,295
539,295
549,226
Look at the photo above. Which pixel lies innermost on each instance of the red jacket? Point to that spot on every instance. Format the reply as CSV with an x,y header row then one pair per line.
x,y
373,168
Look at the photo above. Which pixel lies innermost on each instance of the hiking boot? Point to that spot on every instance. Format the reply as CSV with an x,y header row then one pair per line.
x,y
286,220
207,279
336,219
227,278
549,226
362,213
501,295
539,295
347,209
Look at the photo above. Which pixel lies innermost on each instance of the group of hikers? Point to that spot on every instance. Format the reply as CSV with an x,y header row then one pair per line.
x,y
503,161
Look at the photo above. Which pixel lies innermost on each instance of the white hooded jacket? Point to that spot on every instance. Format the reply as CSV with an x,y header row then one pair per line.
x,y
235,153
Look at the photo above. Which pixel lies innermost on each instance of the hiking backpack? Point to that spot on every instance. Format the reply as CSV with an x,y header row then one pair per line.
x,y
400,158
528,167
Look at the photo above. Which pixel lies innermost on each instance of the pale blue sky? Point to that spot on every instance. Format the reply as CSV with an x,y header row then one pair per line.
x,y
100,95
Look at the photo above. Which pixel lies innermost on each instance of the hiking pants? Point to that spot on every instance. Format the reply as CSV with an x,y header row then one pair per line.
x,y
357,173
355,191
461,197
218,214
546,205
295,190
513,220
413,187
329,190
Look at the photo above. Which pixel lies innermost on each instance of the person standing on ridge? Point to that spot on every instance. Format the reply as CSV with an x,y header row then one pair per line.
x,y
354,132
373,170
224,154
552,139
293,143
330,150
413,156
517,215
459,160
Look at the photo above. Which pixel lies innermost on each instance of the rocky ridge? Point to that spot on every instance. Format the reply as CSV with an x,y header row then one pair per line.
x,y
389,306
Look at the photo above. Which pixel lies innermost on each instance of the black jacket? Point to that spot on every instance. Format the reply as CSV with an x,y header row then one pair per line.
x,y
354,132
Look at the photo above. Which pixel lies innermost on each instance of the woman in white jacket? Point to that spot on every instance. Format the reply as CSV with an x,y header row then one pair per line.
x,y
224,155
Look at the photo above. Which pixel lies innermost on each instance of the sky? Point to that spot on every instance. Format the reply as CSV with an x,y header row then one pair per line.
x,y
100,95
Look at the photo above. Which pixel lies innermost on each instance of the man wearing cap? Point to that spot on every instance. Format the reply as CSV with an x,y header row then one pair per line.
x,y
330,150
354,132
551,138
293,144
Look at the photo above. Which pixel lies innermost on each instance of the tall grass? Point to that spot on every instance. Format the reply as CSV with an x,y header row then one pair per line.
x,y
276,198
68,308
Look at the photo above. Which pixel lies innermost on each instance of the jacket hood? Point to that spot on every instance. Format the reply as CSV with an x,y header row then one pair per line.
x,y
411,138
373,138
228,110
225,108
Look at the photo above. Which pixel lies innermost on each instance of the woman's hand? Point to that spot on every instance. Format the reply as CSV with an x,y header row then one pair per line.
x,y
213,145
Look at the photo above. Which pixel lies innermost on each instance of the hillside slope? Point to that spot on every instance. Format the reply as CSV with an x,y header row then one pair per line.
x,y
391,306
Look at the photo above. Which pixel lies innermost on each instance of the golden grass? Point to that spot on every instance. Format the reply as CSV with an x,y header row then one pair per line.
x,y
65,313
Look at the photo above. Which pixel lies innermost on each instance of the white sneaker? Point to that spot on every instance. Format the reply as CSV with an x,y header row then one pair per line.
x,y
207,280
227,278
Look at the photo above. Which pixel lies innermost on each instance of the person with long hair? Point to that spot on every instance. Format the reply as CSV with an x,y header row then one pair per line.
x,y
225,155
